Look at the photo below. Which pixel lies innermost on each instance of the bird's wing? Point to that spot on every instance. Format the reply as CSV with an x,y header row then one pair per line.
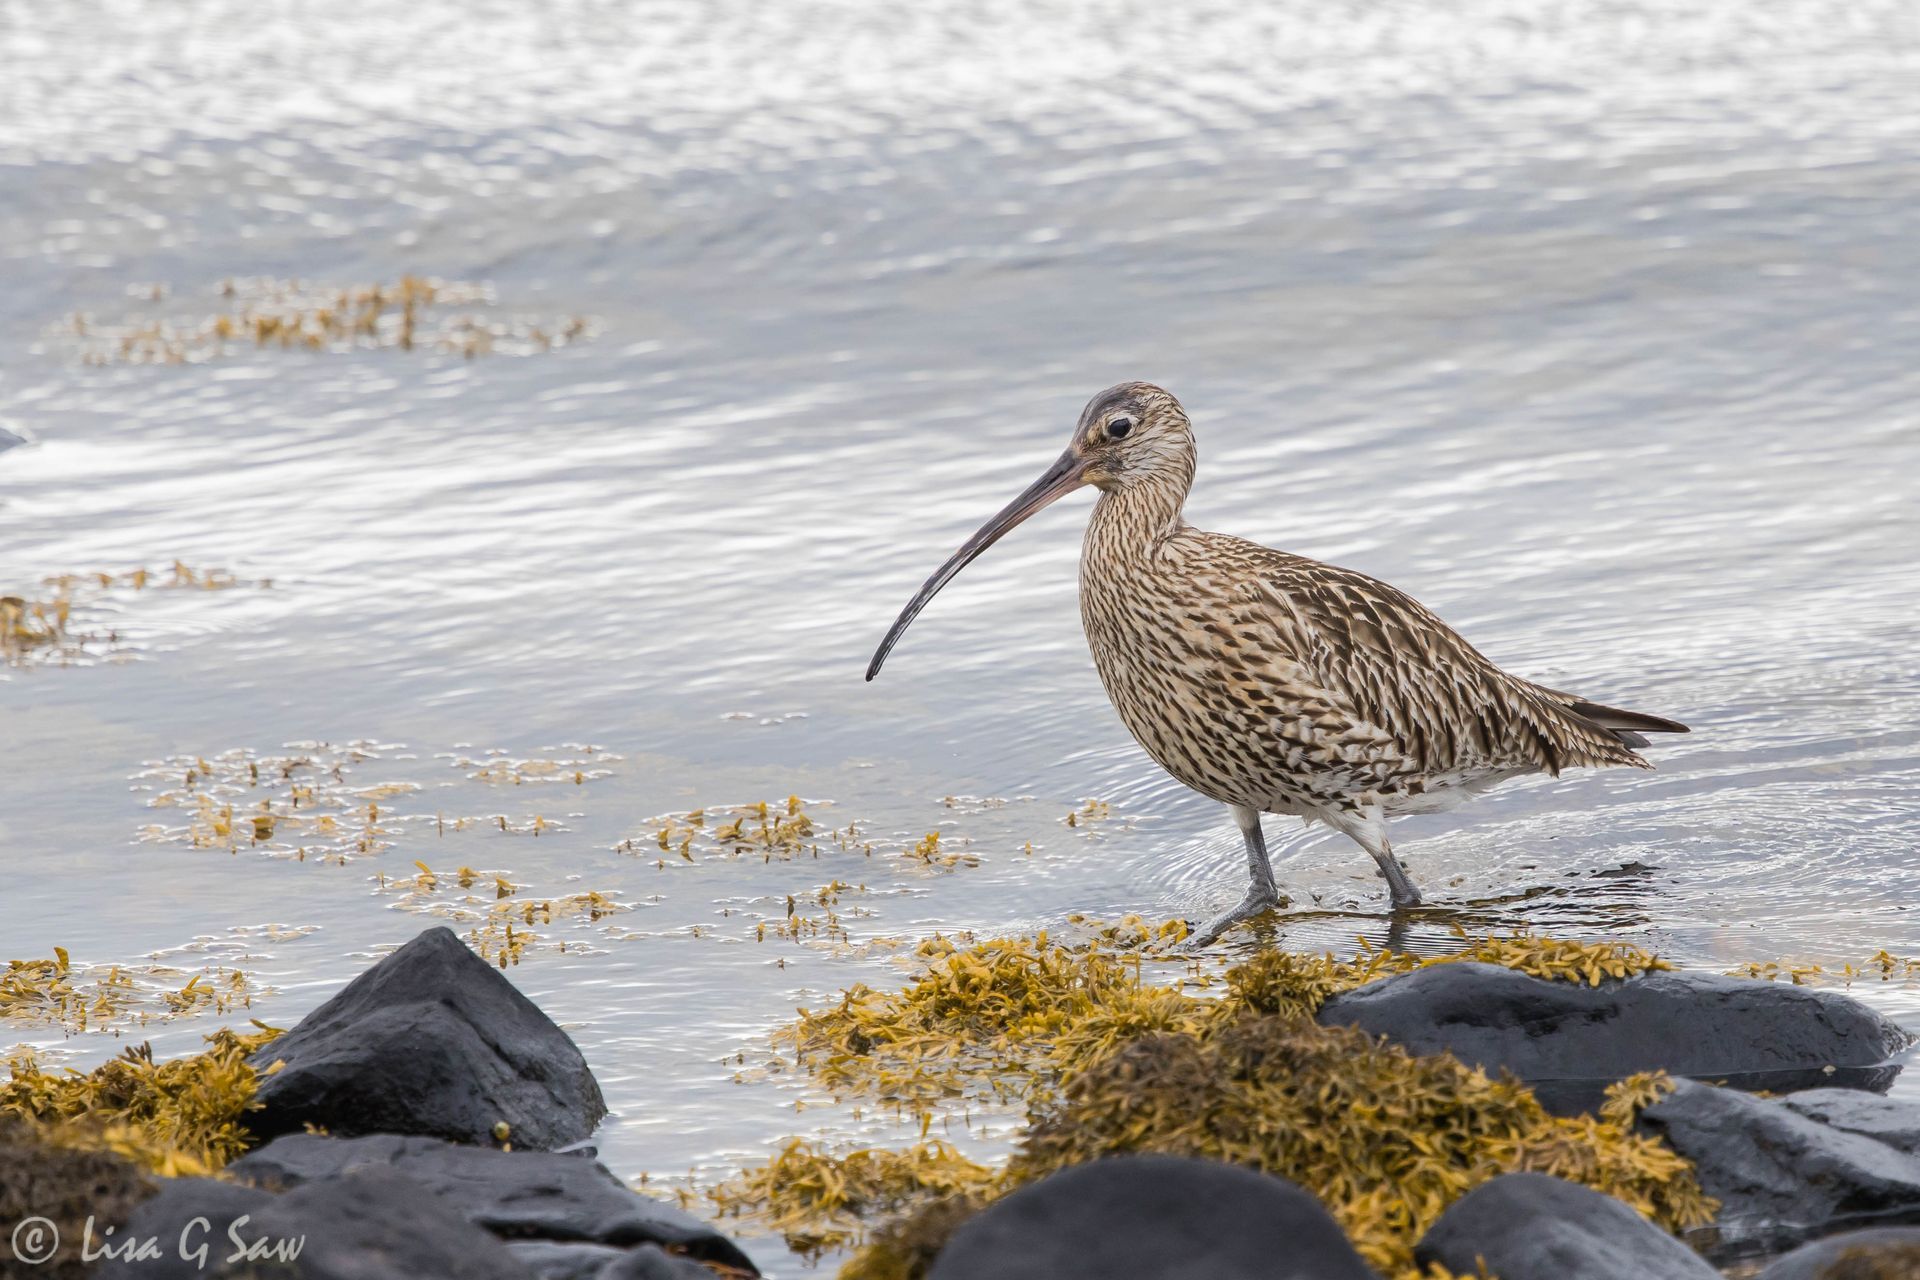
x,y
1397,668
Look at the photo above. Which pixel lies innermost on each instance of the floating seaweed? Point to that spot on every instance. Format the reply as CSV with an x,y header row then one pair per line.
x,y
410,314
77,999
580,764
1882,966
500,925
773,831
301,805
46,627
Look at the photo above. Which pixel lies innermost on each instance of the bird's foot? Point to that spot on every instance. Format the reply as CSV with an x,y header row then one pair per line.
x,y
1399,888
1259,900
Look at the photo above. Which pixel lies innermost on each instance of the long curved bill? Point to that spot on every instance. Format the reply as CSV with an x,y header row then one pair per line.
x,y
1065,475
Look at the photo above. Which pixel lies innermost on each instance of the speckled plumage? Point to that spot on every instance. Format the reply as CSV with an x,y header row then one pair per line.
x,y
1277,684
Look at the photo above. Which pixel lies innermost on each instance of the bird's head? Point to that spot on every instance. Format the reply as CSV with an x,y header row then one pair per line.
x,y
1130,435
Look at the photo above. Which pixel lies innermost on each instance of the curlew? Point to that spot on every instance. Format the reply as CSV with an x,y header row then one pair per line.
x,y
1274,683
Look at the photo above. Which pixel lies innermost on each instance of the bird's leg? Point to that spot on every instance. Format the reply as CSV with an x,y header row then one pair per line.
x,y
1369,831
1262,894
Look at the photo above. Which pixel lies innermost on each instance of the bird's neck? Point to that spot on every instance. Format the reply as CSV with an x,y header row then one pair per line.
x,y
1133,519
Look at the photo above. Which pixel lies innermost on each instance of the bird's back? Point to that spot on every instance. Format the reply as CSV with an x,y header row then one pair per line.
x,y
1243,669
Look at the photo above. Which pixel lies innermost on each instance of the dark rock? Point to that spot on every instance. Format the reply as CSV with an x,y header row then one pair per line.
x,y
370,1224
1884,1253
8,440
514,1194
1569,1040
1528,1226
1883,1119
1152,1218
1781,1177
431,1040
169,1221
650,1262
551,1260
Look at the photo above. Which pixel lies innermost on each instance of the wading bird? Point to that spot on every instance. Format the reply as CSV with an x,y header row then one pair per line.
x,y
1274,683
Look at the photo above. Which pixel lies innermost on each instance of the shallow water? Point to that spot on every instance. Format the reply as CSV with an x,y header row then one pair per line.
x,y
1590,325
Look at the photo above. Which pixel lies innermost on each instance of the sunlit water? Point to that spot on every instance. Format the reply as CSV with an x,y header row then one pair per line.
x,y
1591,325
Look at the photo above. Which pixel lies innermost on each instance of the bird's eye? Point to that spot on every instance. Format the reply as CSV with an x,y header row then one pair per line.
x,y
1117,428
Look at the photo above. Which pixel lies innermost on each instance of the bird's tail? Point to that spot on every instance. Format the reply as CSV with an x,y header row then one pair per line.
x,y
1630,727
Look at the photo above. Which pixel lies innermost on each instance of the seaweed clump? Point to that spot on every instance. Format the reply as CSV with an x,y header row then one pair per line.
x,y
1386,1139
820,1201
181,1118
1002,1019
1108,1060
989,1022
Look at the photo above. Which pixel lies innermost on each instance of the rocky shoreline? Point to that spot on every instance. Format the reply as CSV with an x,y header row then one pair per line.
x,y
430,1121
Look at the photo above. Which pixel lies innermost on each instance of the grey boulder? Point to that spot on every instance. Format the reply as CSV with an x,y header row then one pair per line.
x,y
371,1224
1528,1226
518,1195
1152,1218
184,1217
431,1040
1780,1176
1569,1041
1896,1123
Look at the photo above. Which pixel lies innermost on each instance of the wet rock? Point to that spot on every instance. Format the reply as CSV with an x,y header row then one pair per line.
x,y
1780,1176
1152,1218
370,1224
1883,1119
550,1260
1528,1226
1570,1041
1884,1253
515,1194
187,1222
650,1262
431,1040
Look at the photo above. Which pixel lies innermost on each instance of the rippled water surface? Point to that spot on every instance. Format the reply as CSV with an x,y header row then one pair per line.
x,y
1592,325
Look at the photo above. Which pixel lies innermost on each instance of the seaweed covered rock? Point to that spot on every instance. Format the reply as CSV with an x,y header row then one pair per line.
x,y
1780,1176
431,1040
1385,1138
1569,1040
1896,1123
63,1188
1152,1218
1528,1226
1878,1253
515,1194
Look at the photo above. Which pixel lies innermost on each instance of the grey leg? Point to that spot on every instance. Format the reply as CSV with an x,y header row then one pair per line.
x,y
1262,894
1369,831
